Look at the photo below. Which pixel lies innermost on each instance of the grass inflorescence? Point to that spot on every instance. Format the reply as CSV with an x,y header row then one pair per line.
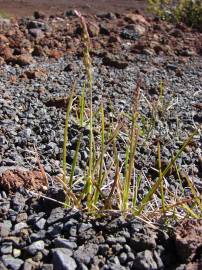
x,y
109,183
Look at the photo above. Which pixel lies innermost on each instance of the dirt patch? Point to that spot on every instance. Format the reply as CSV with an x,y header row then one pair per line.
x,y
11,180
188,238
26,7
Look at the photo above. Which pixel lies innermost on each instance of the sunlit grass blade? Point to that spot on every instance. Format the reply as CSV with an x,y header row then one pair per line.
x,y
161,93
107,144
130,166
154,188
190,211
172,163
96,196
68,109
82,104
69,193
136,188
108,203
75,159
179,178
161,178
194,192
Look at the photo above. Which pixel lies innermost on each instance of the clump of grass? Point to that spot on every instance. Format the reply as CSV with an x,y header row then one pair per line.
x,y
4,15
186,11
108,182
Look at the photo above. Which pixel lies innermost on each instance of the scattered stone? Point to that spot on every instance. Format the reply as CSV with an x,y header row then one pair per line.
x,y
70,67
37,33
35,74
21,217
21,60
41,223
136,18
16,252
85,253
11,262
35,247
5,228
20,226
57,214
18,202
64,243
38,51
6,248
140,242
39,15
145,261
93,29
112,61
62,259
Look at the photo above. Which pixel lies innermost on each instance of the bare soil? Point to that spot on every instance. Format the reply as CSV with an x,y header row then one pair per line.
x,y
26,7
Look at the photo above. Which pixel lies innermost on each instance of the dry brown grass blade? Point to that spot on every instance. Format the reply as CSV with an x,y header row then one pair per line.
x,y
41,166
68,192
136,98
114,185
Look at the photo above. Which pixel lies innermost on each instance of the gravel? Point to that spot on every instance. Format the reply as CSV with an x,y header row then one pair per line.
x,y
38,233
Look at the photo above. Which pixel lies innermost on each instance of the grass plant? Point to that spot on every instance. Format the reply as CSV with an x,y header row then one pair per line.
x,y
112,184
186,11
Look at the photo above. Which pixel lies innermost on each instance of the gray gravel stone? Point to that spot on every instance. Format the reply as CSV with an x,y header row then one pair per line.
x,y
41,223
12,262
64,243
56,215
5,227
35,247
113,240
140,242
85,253
145,261
123,257
62,259
18,202
47,267
6,248
20,226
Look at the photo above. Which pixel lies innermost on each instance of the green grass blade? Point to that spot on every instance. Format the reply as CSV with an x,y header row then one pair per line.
x,y
161,178
108,203
69,106
194,192
190,211
96,196
172,163
154,188
130,167
82,104
137,185
74,162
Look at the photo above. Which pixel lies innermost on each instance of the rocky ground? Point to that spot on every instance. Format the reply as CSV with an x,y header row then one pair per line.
x,y
41,57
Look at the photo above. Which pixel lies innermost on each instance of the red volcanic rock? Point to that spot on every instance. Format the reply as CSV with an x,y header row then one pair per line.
x,y
21,60
93,29
38,51
136,18
2,61
188,239
55,54
3,39
11,180
5,52
35,74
